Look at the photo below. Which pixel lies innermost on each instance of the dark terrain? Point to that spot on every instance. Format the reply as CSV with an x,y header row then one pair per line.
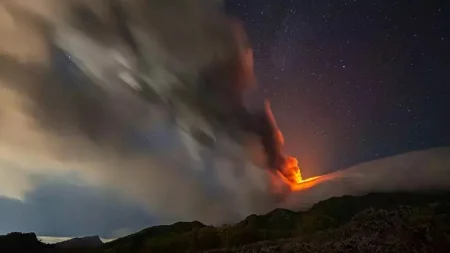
x,y
378,222
85,242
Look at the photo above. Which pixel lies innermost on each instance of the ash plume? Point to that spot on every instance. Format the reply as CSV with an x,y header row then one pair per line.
x,y
78,102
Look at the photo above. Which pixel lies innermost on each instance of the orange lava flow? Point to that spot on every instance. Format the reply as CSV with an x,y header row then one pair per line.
x,y
291,175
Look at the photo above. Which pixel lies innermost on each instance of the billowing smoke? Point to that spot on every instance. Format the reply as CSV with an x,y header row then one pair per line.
x,y
85,92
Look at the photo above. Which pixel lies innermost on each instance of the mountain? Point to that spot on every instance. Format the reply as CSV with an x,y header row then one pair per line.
x,y
177,236
83,242
401,229
21,242
377,222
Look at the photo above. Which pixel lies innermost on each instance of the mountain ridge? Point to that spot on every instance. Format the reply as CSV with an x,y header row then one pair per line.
x,y
280,227
81,242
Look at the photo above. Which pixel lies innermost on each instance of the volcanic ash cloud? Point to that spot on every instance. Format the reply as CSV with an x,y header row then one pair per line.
x,y
165,173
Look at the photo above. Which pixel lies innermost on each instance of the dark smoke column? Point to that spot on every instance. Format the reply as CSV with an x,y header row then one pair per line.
x,y
262,122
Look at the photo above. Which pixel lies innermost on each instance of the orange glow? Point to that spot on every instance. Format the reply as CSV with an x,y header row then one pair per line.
x,y
291,175
291,171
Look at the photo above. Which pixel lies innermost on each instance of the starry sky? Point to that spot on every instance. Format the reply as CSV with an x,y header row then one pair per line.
x,y
352,81
349,81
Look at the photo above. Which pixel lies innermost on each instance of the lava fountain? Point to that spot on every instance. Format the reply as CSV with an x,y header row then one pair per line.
x,y
291,175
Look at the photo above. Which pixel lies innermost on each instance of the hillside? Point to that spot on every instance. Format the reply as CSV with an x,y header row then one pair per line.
x,y
383,222
83,242
22,242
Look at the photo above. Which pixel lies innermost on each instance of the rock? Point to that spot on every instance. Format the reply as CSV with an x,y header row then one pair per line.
x,y
404,229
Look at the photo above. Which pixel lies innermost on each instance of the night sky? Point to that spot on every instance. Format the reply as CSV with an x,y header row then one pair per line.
x,y
352,81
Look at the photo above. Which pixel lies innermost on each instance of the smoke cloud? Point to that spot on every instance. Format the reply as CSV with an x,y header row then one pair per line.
x,y
54,122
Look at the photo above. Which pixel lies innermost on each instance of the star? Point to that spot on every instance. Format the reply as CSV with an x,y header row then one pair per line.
x,y
369,71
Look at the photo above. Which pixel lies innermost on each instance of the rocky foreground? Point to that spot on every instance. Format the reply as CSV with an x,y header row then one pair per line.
x,y
404,229
394,222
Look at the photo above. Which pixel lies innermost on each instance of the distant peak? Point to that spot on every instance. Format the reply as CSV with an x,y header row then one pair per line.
x,y
87,241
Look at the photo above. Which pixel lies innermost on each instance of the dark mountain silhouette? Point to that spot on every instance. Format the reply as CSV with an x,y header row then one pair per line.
x,y
377,222
82,242
21,242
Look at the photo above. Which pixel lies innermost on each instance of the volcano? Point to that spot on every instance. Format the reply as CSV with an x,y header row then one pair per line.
x,y
290,174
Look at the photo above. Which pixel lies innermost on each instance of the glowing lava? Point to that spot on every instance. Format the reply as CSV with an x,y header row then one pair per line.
x,y
291,175
291,171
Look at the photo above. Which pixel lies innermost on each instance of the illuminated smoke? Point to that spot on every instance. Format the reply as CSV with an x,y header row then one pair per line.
x,y
57,120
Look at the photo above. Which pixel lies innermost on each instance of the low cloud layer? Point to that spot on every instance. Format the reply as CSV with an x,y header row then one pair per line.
x,y
65,206
419,170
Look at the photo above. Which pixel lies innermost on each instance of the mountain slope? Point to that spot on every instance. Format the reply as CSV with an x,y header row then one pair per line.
x,y
83,242
21,242
335,213
383,222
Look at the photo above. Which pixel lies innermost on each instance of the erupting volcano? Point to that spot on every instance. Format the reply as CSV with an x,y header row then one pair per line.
x,y
291,175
